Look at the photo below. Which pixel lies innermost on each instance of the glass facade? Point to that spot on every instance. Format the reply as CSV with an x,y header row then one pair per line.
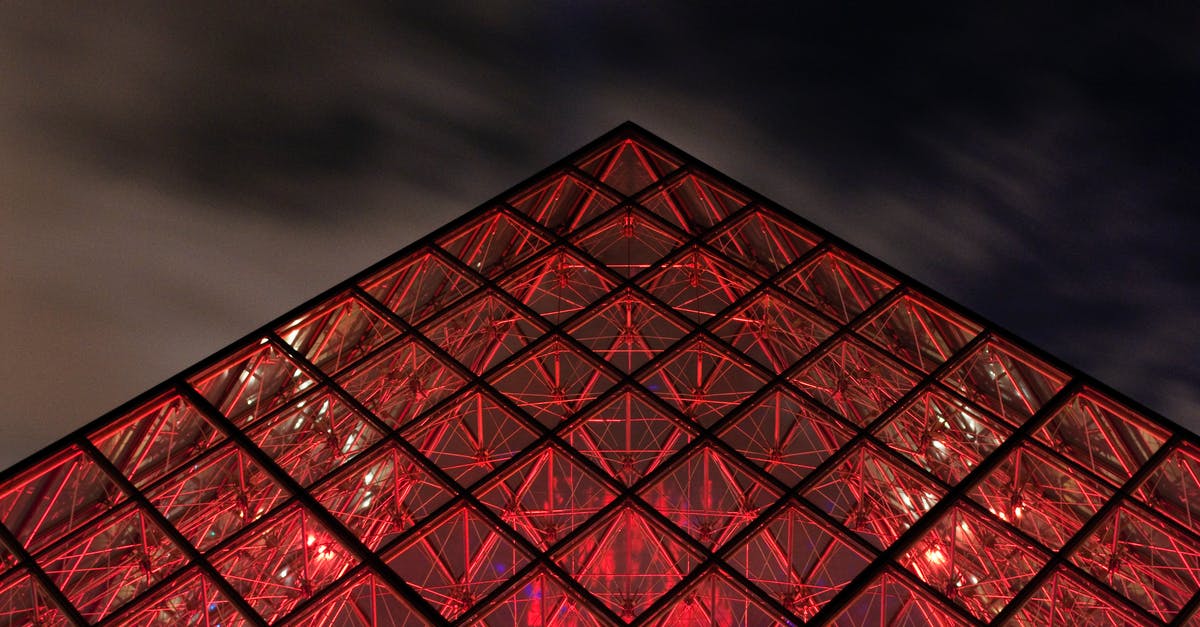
x,y
630,392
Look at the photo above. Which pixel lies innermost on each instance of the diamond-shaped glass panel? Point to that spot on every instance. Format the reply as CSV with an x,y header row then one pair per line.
x,y
363,601
493,243
553,381
254,381
194,599
337,333
627,241
1097,432
763,241
1006,380
23,601
703,381
837,285
156,439
45,503
419,285
628,437
891,601
558,285
1064,599
400,383
628,165
541,599
773,331
483,332
563,202
1173,487
918,331
856,381
693,202
628,331
697,285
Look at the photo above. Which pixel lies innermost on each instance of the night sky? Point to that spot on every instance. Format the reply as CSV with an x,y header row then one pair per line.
x,y
172,178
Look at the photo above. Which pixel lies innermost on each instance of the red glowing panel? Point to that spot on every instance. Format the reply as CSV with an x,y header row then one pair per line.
x,y
314,436
942,434
1097,432
283,562
541,601
194,599
400,383
918,331
1006,380
798,561
628,165
628,331
709,497
628,437
856,381
628,241
763,241
382,496
693,202
59,496
697,285
482,333
1173,488
156,439
837,285
457,561
337,333
774,331
252,382
558,285
364,601
786,436
715,600
546,497
627,561
553,381
420,285
891,600
563,202
703,381
24,602
493,243
471,437
1065,599
114,561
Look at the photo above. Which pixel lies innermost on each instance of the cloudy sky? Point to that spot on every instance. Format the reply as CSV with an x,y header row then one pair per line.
x,y
170,179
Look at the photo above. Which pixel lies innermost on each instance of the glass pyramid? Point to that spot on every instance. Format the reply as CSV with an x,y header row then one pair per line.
x,y
630,391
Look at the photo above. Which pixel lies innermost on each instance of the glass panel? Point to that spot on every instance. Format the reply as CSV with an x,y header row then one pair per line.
x,y
24,602
46,503
155,440
628,242
471,437
773,331
365,601
483,331
400,383
337,333
763,241
628,165
1173,488
315,436
709,497
113,563
943,435
890,601
419,285
252,382
1040,496
562,202
698,285
1064,599
628,331
703,382
558,285
546,497
493,243
786,436
457,561
192,599
856,381
283,562
217,496
541,600
799,562
874,495
919,332
627,561
693,202
838,286
1098,433
715,600
628,437
553,381
1006,380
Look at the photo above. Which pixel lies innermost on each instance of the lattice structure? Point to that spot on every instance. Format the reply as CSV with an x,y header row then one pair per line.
x,y
630,391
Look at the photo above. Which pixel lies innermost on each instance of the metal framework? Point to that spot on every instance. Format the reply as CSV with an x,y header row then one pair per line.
x,y
628,391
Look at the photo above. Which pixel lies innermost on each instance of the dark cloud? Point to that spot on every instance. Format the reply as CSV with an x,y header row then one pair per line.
x,y
177,174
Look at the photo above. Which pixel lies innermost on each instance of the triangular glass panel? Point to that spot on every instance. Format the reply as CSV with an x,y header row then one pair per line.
x,y
401,382
1173,487
785,435
628,437
546,497
627,561
493,243
156,439
419,285
693,202
1097,432
193,594
558,285
763,241
837,285
483,331
628,331
798,561
855,380
1065,599
628,165
252,382
563,202
541,601
470,437
553,381
337,333
23,601
456,561
1006,380
921,333
703,381
627,241
890,601
709,497
715,600
382,496
697,285
774,331
363,601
